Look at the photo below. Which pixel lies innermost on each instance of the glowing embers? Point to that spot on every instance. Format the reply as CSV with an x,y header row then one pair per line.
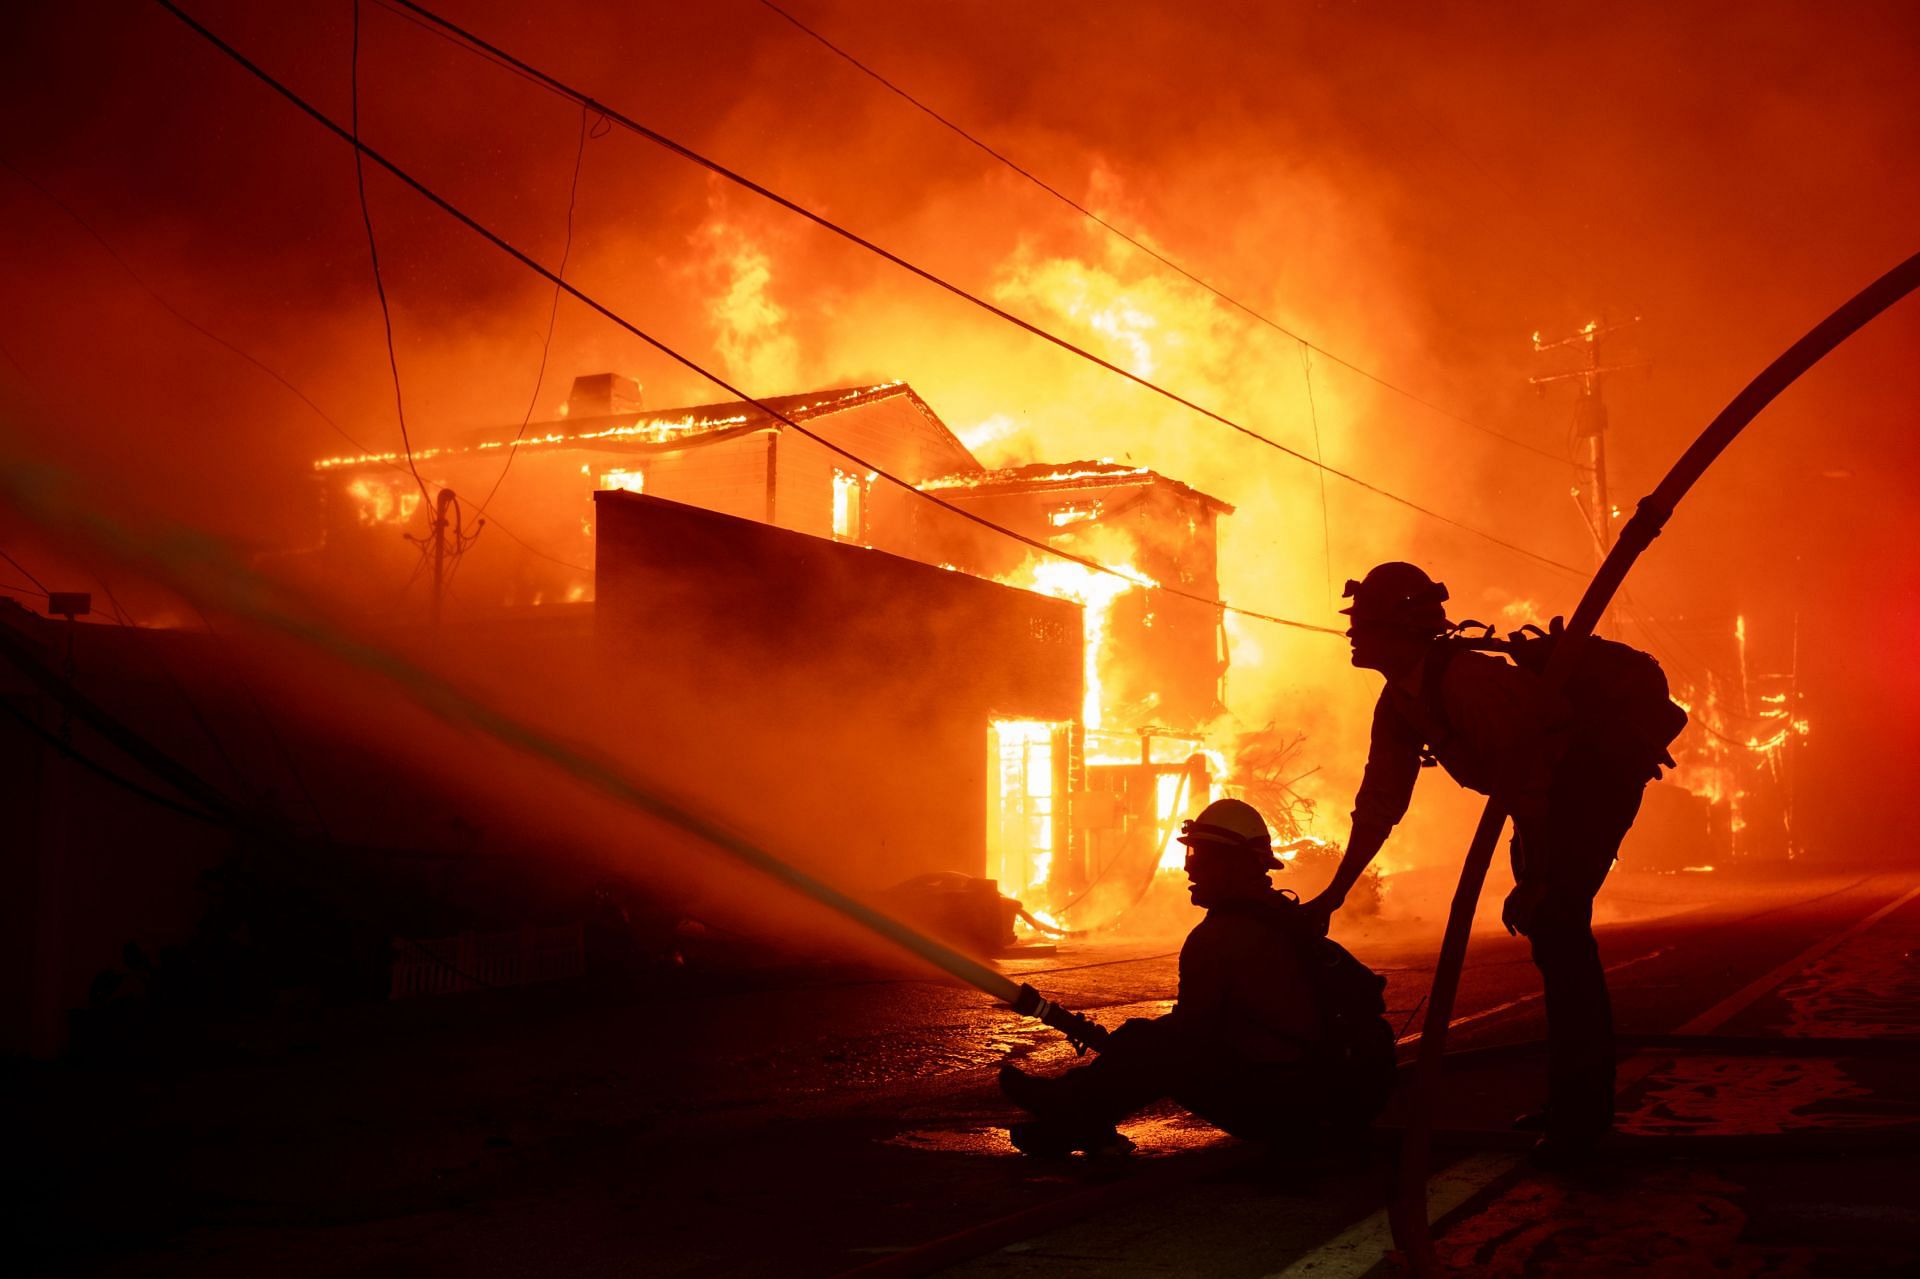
x,y
379,501
634,481
1026,827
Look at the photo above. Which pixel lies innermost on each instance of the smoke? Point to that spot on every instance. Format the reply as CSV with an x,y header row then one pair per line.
x,y
1414,191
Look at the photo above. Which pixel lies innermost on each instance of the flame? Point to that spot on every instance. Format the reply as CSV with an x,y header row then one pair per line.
x,y
624,481
1020,849
991,430
378,502
1104,469
1044,917
752,333
1095,592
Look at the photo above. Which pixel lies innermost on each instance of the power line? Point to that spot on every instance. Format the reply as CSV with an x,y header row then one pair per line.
x,y
93,765
1148,249
1313,414
161,300
602,309
575,95
273,733
27,571
220,813
373,252
553,315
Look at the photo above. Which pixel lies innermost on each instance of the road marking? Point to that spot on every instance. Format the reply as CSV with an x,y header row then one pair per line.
x,y
1414,1038
1366,1244
1736,1003
1360,1247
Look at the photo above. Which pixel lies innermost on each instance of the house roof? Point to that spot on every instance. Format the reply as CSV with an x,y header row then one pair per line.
x,y
665,430
1063,477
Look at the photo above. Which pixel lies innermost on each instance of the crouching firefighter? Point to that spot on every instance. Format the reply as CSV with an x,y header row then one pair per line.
x,y
1270,1013
1569,769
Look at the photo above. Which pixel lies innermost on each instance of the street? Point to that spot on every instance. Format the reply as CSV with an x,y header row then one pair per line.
x,y
800,1124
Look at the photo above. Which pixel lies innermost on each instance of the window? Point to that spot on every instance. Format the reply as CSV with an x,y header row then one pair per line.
x,y
849,507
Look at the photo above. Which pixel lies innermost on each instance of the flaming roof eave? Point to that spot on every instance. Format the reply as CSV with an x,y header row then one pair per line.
x,y
1064,477
667,430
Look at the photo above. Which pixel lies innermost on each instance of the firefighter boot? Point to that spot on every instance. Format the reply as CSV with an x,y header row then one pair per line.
x,y
1037,1094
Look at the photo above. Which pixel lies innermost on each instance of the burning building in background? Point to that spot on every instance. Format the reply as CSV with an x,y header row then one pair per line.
x,y
539,481
1136,759
847,690
1731,800
1079,796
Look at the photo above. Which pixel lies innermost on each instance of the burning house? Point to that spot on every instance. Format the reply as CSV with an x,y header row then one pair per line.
x,y
1134,761
734,458
1083,796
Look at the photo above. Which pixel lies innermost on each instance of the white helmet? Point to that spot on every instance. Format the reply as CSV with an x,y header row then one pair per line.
x,y
1229,823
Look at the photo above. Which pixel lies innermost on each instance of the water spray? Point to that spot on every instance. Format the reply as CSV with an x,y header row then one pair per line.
x,y
200,569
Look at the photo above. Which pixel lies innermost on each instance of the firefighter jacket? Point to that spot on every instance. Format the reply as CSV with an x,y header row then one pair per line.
x,y
1492,725
1244,991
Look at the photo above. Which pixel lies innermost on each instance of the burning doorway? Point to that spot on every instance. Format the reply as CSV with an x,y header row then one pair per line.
x,y
1028,784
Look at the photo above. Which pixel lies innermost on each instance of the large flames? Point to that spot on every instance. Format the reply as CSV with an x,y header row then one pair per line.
x,y
1151,777
1095,592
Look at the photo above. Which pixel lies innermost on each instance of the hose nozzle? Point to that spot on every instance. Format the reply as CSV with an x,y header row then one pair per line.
x,y
1080,1031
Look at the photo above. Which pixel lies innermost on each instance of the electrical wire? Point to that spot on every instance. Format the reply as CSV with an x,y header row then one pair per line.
x,y
211,336
161,300
167,306
273,733
228,819
553,315
25,570
96,767
603,310
713,166
200,720
373,253
1147,248
1313,414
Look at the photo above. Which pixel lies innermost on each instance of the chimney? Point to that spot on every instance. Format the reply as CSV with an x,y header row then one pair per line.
x,y
603,395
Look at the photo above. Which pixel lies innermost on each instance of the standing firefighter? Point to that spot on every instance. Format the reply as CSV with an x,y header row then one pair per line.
x,y
1569,770
1278,1033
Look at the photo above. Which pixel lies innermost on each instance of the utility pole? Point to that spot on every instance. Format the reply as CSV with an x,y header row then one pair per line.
x,y
1590,430
442,502
446,541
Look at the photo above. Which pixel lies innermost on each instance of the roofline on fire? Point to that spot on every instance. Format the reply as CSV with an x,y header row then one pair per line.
x,y
1062,478
706,424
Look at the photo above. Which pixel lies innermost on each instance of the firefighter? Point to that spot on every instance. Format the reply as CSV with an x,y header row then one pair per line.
x,y
1498,730
1249,1032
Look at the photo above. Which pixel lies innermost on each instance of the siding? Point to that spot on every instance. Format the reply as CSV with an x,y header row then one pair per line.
x,y
895,435
830,701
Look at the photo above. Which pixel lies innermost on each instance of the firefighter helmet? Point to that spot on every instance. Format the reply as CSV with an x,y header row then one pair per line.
x,y
1229,823
1398,594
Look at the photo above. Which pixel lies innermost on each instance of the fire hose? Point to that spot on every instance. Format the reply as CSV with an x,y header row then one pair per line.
x,y
1082,1032
1407,1212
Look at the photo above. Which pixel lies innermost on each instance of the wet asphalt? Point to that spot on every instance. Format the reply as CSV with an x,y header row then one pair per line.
x,y
813,1119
